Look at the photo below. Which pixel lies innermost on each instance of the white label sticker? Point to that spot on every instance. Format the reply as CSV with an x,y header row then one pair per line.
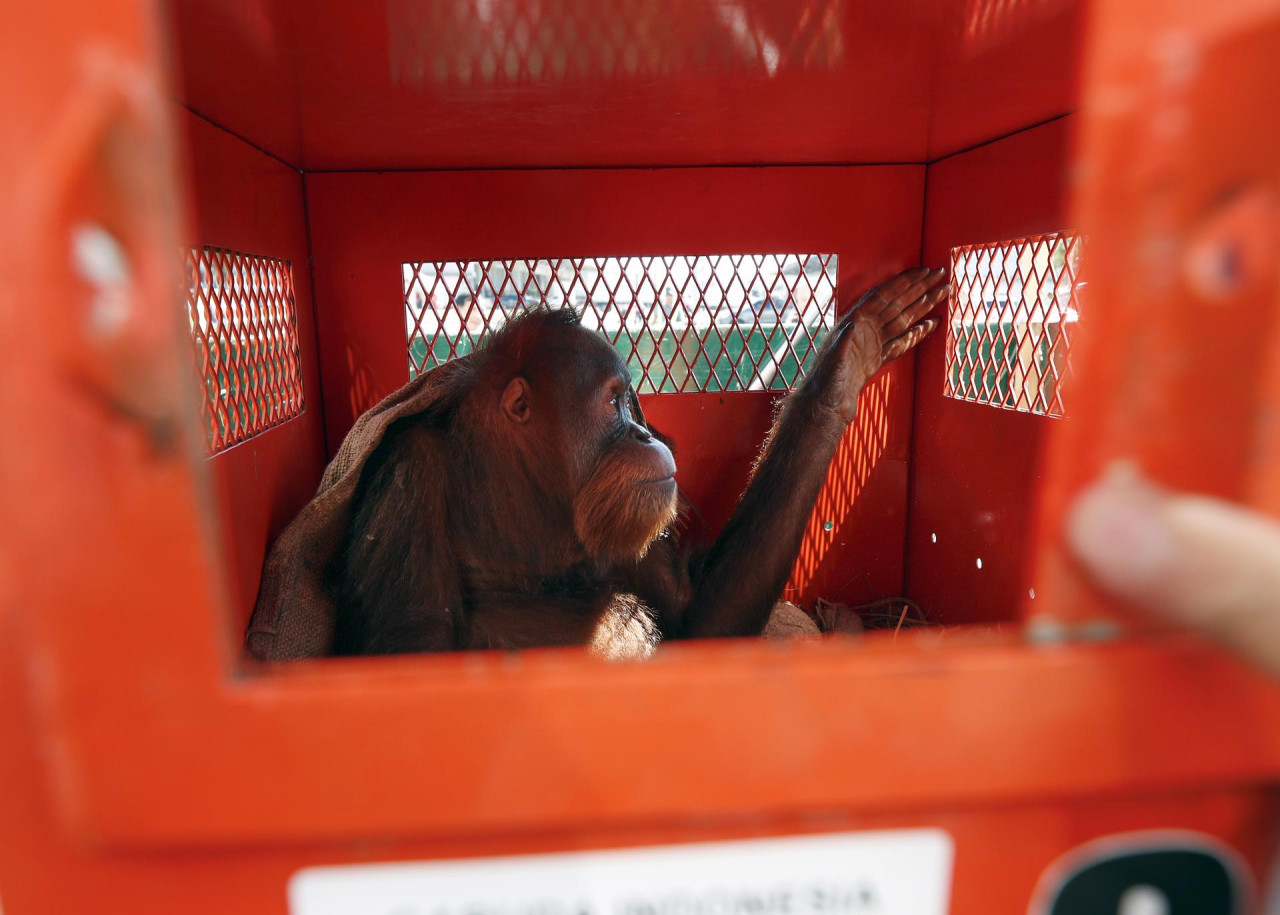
x,y
899,872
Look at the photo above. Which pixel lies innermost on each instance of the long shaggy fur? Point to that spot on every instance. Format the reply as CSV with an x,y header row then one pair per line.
x,y
617,517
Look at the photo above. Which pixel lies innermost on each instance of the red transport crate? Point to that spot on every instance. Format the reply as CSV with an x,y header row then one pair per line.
x,y
380,178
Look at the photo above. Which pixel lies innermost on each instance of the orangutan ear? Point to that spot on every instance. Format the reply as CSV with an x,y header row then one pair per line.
x,y
515,401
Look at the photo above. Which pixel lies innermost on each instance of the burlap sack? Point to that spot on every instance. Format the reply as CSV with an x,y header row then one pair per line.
x,y
787,621
294,616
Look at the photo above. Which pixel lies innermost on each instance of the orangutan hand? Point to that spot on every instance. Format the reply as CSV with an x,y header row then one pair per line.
x,y
886,322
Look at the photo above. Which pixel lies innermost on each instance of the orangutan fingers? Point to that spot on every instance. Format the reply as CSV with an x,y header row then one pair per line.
x,y
899,345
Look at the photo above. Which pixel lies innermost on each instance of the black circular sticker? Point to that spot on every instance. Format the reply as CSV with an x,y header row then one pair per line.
x,y
1144,874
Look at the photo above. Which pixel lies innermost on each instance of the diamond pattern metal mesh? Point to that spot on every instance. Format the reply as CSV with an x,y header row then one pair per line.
x,y
515,42
731,322
1012,309
242,317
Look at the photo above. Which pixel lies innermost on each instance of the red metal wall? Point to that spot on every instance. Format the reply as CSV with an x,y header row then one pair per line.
x,y
1001,850
247,201
364,226
974,467
1001,67
333,85
235,63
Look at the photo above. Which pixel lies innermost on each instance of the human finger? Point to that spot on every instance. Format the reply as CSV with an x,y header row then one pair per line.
x,y
1200,561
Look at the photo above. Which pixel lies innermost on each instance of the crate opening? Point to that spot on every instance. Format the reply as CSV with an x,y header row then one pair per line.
x,y
371,198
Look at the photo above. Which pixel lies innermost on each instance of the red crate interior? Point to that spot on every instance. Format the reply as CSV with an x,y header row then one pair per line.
x,y
349,143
